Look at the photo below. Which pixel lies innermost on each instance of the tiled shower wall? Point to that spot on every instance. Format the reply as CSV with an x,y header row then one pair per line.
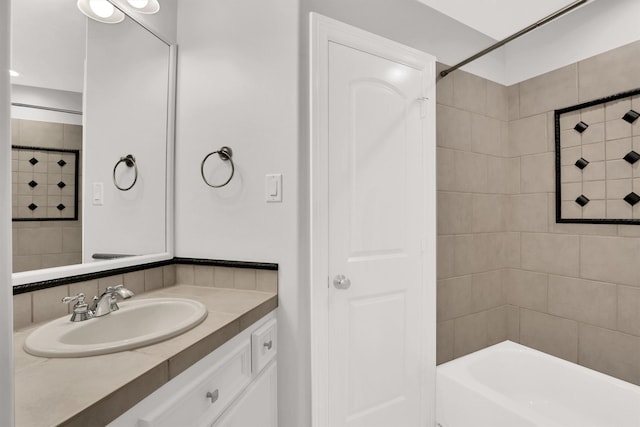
x,y
474,245
571,290
576,292
43,244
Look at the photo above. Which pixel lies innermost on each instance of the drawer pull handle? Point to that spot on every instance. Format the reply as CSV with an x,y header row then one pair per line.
x,y
268,345
213,396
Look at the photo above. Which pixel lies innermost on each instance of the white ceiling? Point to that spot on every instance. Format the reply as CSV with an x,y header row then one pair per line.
x,y
48,44
497,19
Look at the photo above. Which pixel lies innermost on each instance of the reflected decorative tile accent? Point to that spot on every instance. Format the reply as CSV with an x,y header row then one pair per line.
x,y
632,157
33,206
581,163
61,207
62,163
581,126
61,184
33,184
631,116
632,198
582,200
33,161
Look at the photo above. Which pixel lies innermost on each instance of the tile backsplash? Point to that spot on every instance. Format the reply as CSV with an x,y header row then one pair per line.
x,y
43,305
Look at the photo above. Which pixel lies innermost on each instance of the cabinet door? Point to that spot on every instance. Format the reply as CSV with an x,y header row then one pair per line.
x,y
258,406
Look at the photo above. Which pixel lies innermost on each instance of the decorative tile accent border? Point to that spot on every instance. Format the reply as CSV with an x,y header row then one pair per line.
x,y
46,183
597,168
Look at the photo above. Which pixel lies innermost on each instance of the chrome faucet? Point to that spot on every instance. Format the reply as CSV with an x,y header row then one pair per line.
x,y
106,303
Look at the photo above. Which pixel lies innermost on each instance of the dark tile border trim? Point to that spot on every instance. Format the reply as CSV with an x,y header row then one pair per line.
x,y
45,284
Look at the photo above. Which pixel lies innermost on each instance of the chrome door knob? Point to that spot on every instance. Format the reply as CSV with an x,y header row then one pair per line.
x,y
341,282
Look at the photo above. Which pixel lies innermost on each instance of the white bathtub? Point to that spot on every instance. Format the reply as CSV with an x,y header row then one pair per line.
x,y
510,385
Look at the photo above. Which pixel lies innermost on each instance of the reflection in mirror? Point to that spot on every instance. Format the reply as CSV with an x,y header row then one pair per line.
x,y
105,91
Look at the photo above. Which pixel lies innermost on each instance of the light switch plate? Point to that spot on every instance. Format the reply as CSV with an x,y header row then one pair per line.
x,y
98,194
273,188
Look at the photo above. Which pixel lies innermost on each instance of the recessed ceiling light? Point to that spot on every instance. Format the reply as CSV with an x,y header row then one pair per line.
x,y
145,6
101,11
14,73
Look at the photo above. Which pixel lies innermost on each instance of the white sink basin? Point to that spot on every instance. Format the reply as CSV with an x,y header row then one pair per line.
x,y
136,324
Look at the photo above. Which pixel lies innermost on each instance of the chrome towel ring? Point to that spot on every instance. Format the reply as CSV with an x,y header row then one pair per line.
x,y
129,161
225,154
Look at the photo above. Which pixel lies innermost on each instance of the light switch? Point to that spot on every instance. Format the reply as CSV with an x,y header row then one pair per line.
x,y
98,194
273,187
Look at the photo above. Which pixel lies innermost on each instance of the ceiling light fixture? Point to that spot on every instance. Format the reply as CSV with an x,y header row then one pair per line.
x,y
14,73
145,6
101,10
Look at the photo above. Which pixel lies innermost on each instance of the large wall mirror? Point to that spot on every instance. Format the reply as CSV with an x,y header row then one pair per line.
x,y
103,93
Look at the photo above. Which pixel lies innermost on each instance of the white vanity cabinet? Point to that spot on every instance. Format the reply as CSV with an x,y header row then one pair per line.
x,y
234,386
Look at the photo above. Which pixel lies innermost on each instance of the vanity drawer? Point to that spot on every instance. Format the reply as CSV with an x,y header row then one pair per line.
x,y
264,345
200,404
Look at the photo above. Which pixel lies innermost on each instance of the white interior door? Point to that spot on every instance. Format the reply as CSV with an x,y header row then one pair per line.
x,y
378,228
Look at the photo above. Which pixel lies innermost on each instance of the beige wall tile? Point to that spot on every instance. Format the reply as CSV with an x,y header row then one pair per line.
x,y
444,86
611,352
469,92
583,229
454,298
133,281
153,279
444,342
185,274
21,311
105,282
168,275
609,259
485,135
497,325
513,97
551,334
528,212
489,251
445,167
224,277
488,213
267,280
594,73
453,128
537,173
497,101
41,134
445,256
551,253
550,91
629,310
72,137
496,175
528,135
47,303
244,278
487,291
583,300
527,289
455,213
513,176
513,323
470,334
203,275
471,172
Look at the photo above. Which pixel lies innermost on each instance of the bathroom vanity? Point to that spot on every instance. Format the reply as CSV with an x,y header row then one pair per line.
x,y
218,373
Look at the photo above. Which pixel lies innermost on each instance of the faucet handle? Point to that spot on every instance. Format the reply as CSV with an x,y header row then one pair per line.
x,y
79,298
80,309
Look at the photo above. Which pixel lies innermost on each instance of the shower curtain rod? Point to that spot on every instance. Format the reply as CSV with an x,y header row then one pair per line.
x,y
41,107
515,36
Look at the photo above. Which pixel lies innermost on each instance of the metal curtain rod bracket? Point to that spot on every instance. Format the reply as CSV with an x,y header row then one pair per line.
x,y
501,43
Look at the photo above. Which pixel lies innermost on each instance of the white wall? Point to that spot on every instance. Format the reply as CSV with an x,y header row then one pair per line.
x,y
162,23
6,294
125,113
593,29
237,86
46,98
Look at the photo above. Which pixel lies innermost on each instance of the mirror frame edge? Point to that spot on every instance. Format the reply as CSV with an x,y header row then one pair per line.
x,y
27,277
